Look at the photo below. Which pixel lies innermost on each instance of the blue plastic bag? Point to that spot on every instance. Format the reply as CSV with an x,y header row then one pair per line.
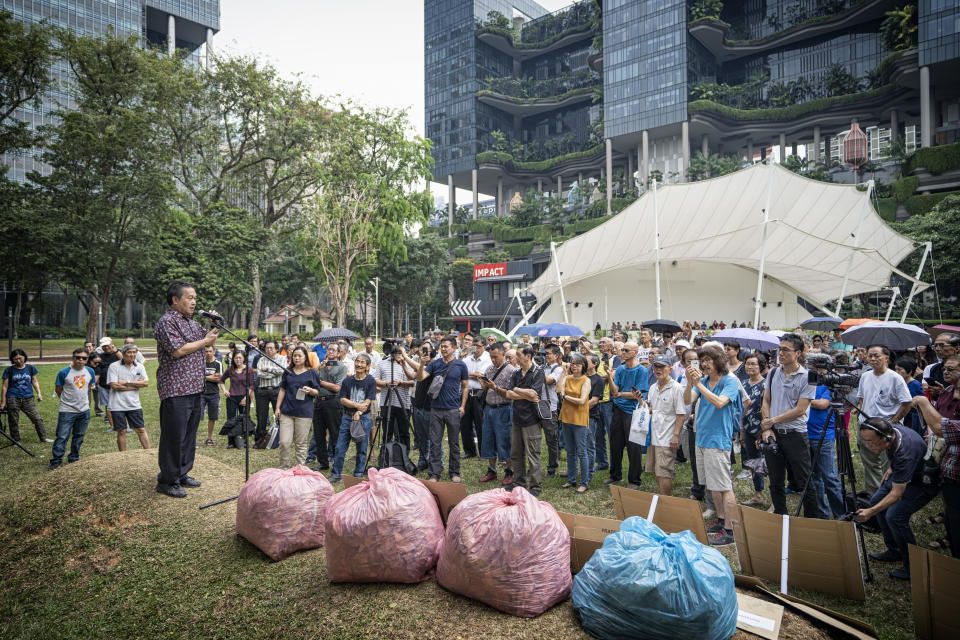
x,y
643,583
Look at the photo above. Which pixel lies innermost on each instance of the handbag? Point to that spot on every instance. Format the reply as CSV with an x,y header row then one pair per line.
x,y
640,425
436,384
357,432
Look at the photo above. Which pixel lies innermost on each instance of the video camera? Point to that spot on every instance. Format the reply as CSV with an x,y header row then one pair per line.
x,y
846,378
391,348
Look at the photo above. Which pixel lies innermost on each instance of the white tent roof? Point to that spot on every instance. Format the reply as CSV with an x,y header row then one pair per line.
x,y
810,237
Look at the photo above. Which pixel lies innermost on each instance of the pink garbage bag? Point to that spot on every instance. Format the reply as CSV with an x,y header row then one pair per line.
x,y
508,550
281,510
385,530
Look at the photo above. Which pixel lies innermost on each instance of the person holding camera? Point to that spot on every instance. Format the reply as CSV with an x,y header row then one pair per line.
x,y
786,407
395,387
881,393
628,385
497,416
327,413
825,483
902,490
947,426
553,373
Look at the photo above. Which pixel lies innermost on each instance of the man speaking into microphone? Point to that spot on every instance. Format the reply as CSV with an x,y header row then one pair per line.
x,y
180,377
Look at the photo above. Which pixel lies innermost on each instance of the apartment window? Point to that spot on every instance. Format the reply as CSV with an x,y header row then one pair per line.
x,y
495,291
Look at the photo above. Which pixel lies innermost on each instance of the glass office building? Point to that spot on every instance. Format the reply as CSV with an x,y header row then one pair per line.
x,y
193,21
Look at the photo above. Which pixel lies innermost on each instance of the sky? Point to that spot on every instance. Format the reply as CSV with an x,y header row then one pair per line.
x,y
368,50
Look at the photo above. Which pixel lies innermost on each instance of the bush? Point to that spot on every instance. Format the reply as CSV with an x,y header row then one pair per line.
x,y
510,234
919,205
519,249
505,159
582,226
454,241
887,208
904,188
936,160
461,252
784,113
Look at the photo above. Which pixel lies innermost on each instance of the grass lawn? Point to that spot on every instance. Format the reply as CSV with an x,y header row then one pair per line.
x,y
92,551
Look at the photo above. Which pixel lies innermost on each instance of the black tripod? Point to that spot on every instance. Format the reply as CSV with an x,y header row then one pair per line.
x,y
3,432
844,469
246,434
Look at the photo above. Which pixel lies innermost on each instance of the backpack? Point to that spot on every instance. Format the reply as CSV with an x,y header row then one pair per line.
x,y
394,454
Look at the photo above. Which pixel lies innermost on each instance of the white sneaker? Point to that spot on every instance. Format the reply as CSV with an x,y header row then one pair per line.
x,y
708,514
743,475
47,440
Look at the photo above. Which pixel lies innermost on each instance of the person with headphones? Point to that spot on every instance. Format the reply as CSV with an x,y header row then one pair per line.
x,y
902,491
882,393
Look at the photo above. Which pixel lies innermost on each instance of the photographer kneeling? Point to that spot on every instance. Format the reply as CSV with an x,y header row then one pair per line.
x,y
902,491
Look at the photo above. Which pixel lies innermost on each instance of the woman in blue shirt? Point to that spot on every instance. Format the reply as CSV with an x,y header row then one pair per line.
x,y
19,381
906,366
295,402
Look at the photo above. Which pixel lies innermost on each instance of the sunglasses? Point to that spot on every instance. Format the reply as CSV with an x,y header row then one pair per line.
x,y
80,357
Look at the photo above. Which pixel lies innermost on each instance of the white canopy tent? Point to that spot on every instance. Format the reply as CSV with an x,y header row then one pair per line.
x,y
710,241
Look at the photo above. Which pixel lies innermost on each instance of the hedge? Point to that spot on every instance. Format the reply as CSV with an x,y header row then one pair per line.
x,y
514,234
581,226
505,159
461,252
799,26
904,188
936,160
919,205
454,241
508,34
519,249
887,208
785,113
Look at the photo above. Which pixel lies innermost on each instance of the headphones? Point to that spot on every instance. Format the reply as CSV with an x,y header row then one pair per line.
x,y
885,431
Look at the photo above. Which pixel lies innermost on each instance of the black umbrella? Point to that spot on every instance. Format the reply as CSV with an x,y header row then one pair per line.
x,y
332,335
662,326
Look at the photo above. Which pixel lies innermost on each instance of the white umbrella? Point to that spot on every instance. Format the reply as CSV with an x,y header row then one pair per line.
x,y
776,333
893,335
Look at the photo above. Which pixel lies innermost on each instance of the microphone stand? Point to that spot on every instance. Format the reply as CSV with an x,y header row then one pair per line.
x,y
218,324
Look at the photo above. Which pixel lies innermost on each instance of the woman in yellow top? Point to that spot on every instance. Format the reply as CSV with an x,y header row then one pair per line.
x,y
575,420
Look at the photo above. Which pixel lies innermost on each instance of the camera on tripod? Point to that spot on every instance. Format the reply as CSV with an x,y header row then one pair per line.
x,y
391,348
831,378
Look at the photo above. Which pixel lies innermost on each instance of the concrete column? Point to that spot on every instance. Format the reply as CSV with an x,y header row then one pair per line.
x,y
705,146
209,47
685,148
128,313
763,153
750,151
783,147
476,195
926,121
171,34
816,144
793,148
609,144
499,196
451,204
559,187
894,125
540,186
629,177
645,157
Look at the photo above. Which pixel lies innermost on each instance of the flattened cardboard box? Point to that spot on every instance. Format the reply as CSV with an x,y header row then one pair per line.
x,y
587,534
447,494
850,626
672,514
935,587
822,554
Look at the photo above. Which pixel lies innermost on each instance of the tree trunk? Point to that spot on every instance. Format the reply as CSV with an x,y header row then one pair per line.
x,y
143,320
93,314
63,311
17,311
254,324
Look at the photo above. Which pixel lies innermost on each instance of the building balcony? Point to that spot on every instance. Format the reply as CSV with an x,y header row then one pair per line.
x,y
588,161
714,34
524,107
502,40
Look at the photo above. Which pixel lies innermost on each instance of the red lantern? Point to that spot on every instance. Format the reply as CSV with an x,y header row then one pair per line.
x,y
855,152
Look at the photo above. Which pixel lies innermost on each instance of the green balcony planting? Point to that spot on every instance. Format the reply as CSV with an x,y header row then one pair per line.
x,y
519,249
784,113
935,160
506,160
529,89
545,30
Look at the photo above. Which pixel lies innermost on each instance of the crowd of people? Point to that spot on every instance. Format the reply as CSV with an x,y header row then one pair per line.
x,y
664,399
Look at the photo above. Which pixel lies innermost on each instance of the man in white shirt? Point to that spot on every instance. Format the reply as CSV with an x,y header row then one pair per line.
x,y
125,379
478,361
882,393
370,351
668,412
130,340
390,374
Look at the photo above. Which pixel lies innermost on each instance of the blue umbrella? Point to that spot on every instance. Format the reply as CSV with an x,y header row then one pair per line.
x,y
558,329
528,329
749,338
893,335
821,323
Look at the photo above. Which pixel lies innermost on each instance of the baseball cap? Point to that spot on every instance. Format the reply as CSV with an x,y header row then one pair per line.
x,y
104,341
663,361
682,343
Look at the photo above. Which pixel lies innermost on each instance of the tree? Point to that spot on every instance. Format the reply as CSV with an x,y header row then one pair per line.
x,y
839,82
461,274
937,227
898,31
26,54
370,166
419,280
108,165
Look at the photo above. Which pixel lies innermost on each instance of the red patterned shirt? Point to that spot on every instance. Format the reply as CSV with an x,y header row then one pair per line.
x,y
950,463
178,376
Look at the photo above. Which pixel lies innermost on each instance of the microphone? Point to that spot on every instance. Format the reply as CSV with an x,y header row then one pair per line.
x,y
212,316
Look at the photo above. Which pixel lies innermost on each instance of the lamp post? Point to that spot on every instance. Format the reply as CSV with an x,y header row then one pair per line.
x,y
376,308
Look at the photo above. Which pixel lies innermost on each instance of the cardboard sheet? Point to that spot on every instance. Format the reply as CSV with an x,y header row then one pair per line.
x,y
759,617
447,494
586,536
671,514
822,555
850,626
935,587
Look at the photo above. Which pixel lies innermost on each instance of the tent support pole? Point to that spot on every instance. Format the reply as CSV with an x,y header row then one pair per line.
x,y
894,292
856,245
927,249
656,245
526,314
606,308
757,300
556,265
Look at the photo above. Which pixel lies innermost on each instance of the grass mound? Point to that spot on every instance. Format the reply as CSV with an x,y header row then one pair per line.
x,y
92,551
